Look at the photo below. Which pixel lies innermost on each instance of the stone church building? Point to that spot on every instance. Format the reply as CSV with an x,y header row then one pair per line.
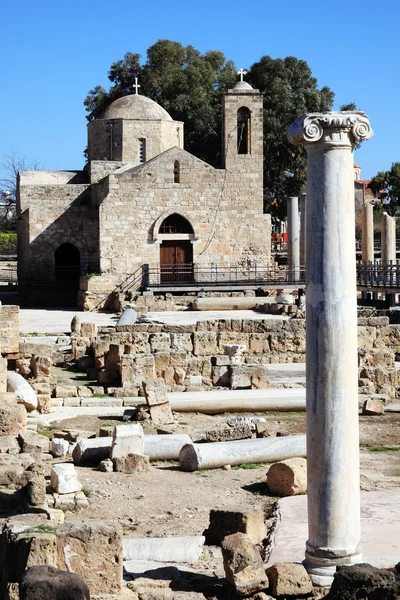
x,y
144,200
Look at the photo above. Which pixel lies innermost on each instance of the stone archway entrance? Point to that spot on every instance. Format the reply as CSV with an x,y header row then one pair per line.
x,y
176,250
67,264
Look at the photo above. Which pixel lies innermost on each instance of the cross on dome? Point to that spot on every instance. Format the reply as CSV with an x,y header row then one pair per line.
x,y
136,86
241,72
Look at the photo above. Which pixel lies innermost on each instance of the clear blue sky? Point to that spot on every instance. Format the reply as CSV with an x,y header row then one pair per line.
x,y
53,53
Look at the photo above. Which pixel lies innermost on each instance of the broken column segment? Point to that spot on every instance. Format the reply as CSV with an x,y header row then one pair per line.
x,y
331,333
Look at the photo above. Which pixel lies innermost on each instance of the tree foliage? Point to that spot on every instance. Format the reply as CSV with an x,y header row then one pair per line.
x,y
188,85
11,165
386,187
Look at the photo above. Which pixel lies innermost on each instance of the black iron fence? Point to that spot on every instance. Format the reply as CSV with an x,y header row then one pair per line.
x,y
212,274
378,274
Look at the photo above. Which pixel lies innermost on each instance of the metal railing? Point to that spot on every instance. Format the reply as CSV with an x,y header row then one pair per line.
x,y
378,274
212,274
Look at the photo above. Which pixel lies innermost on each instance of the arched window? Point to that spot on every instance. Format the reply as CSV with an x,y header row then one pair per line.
x,y
176,171
175,224
243,130
67,263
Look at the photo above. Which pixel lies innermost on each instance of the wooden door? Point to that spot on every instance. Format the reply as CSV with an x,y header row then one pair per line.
x,y
176,261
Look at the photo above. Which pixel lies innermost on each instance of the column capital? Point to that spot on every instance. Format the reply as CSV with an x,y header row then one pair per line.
x,y
334,128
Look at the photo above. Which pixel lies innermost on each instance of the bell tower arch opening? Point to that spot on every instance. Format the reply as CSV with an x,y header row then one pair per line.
x,y
243,130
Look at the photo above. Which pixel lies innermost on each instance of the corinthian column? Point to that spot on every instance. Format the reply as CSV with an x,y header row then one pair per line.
x,y
331,365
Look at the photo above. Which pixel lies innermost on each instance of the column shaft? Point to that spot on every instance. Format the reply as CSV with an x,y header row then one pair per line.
x,y
367,244
293,231
334,531
303,200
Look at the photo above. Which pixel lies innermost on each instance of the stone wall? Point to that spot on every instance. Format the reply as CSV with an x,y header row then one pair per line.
x,y
193,356
51,215
9,329
118,139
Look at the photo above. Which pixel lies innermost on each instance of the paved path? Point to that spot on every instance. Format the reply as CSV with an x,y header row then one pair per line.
x,y
380,529
40,320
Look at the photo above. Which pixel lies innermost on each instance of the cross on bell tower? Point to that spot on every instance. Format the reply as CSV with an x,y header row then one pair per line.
x,y
242,72
136,86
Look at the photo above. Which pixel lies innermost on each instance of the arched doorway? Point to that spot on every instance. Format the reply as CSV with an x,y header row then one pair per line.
x,y
176,250
67,264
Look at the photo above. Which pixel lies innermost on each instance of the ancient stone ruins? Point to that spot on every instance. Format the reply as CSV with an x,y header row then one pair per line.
x,y
198,442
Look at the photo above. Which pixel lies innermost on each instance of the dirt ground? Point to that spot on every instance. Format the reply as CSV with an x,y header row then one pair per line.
x,y
169,502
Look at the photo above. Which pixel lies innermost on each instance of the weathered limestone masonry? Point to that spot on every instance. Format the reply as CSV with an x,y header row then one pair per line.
x,y
9,340
194,356
138,176
334,536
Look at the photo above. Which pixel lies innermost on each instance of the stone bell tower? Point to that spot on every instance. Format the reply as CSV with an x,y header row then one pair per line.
x,y
242,123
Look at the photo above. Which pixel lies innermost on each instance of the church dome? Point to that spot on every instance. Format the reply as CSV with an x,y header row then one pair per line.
x,y
242,85
136,107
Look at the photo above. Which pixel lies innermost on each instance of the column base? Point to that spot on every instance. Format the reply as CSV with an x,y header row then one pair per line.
x,y
322,569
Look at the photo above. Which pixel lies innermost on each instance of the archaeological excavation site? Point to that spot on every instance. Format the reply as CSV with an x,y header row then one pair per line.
x,y
193,406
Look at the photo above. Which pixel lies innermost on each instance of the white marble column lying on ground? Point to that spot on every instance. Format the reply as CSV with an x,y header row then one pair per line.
x,y
331,373
388,238
303,200
367,242
293,237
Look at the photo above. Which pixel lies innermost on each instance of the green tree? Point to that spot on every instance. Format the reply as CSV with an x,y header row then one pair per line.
x,y
11,165
289,91
188,85
185,82
386,187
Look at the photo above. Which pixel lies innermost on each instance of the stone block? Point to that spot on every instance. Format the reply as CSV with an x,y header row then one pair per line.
x,y
76,324
182,342
9,445
43,582
88,330
263,430
243,565
84,391
289,579
44,403
363,581
155,391
131,463
373,407
24,546
241,520
66,391
205,343
41,366
259,343
136,368
160,342
71,401
59,447
91,452
161,414
226,434
106,466
32,443
93,549
13,419
127,439
288,477
64,479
